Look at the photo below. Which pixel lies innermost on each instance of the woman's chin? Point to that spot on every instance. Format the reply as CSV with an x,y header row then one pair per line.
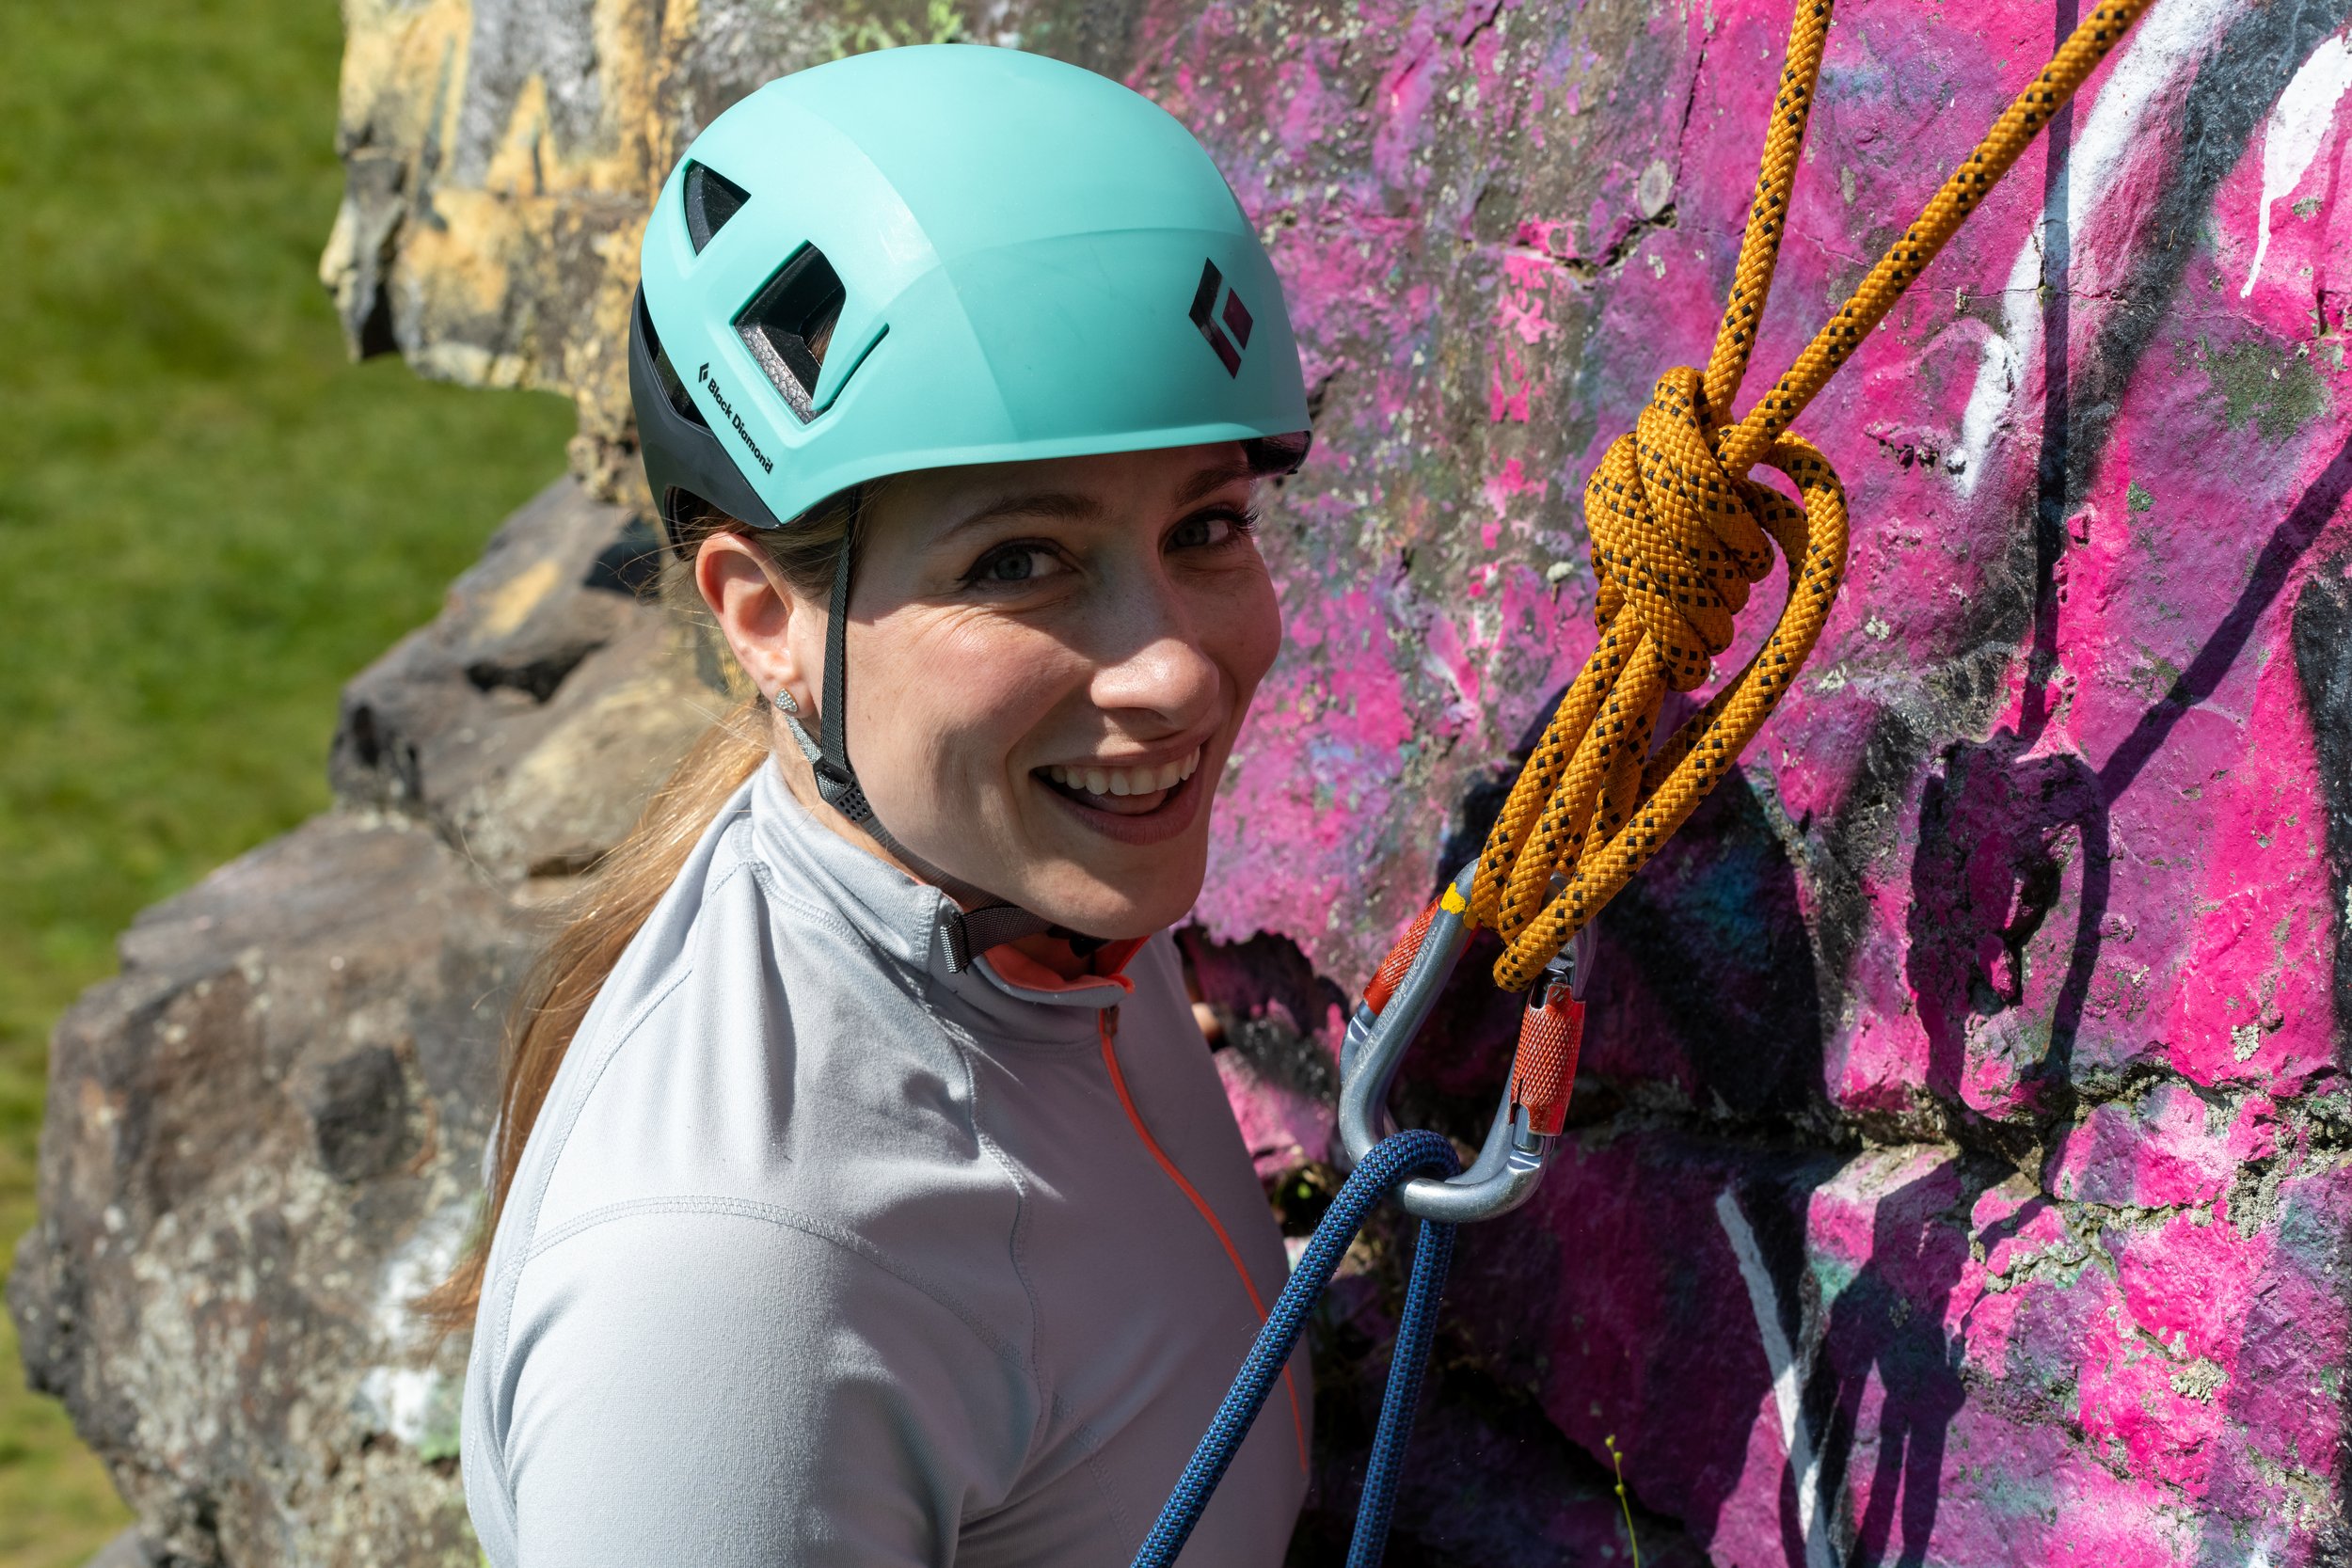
x,y
1117,901
1079,899
1109,875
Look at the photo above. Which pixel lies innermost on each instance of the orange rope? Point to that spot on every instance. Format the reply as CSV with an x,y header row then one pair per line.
x,y
1678,531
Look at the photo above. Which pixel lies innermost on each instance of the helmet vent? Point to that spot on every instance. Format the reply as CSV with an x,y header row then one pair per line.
x,y
712,198
789,323
673,385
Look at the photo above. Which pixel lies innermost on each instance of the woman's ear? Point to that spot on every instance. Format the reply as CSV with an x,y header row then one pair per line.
x,y
757,611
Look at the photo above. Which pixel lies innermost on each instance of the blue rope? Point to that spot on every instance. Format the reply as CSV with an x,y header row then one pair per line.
x,y
1391,1162
1432,1252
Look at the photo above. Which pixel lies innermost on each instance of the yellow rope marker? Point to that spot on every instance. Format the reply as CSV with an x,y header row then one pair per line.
x,y
1678,531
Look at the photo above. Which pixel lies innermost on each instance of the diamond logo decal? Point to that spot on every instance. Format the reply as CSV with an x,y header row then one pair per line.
x,y
1226,328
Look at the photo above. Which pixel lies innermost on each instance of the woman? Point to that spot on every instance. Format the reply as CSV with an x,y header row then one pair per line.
x,y
863,1193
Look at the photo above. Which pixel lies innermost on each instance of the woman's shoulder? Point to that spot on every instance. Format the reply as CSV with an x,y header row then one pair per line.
x,y
650,1357
764,1165
735,1054
695,1067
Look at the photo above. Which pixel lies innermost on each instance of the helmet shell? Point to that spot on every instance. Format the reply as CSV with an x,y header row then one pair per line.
x,y
1033,262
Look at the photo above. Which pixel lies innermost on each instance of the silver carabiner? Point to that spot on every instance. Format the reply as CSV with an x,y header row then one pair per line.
x,y
1511,1164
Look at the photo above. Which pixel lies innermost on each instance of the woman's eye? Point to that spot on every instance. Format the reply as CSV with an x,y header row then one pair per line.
x,y
1209,528
1013,563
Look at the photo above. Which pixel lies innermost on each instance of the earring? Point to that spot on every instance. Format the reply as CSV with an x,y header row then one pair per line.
x,y
789,707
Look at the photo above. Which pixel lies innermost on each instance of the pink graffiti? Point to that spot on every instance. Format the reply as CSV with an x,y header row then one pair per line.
x,y
2048,808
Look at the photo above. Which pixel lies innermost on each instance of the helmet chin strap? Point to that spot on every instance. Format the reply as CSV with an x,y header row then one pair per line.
x,y
982,920
837,781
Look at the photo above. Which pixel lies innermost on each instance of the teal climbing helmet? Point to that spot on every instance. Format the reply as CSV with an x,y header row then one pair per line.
x,y
941,255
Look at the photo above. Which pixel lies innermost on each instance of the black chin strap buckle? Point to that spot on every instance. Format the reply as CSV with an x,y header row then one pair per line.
x,y
973,932
838,788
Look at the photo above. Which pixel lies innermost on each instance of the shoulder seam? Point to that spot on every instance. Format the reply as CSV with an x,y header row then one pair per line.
x,y
762,873
789,1219
1032,1361
572,1108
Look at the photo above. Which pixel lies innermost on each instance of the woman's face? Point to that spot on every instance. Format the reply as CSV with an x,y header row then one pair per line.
x,y
1048,665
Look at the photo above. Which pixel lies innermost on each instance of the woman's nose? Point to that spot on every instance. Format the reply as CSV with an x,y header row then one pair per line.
x,y
1152,660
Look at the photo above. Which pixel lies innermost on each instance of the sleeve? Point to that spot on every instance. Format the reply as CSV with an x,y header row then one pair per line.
x,y
718,1389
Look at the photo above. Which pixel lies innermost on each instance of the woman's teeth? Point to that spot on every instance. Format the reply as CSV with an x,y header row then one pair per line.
x,y
1125,780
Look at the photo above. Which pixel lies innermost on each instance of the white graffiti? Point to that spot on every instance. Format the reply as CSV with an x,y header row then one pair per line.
x,y
1791,1367
2291,138
2171,40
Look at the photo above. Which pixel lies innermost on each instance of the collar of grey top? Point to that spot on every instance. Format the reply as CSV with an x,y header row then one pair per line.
x,y
903,918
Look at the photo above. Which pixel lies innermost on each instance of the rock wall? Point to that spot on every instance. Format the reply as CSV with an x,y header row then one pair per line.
x,y
264,1139
1962,1162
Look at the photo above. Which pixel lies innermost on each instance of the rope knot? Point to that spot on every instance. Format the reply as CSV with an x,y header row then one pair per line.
x,y
1676,539
1678,531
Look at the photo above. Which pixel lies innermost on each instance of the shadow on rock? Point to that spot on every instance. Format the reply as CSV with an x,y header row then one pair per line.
x,y
1995,829
1887,1325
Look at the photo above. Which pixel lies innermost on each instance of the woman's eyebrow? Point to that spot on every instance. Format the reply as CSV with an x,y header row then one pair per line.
x,y
1210,481
1070,506
1040,504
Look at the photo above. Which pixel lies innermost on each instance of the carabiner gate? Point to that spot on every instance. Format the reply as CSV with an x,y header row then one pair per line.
x,y
1527,1124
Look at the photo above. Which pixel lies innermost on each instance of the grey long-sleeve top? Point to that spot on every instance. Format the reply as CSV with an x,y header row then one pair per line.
x,y
820,1255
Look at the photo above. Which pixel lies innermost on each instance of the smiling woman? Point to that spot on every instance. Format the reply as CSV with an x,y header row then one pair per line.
x,y
1108,617
863,1189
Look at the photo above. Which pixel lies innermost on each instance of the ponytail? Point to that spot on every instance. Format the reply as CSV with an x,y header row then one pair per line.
x,y
606,914
600,921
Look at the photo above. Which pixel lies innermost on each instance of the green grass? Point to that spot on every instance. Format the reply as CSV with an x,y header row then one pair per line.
x,y
209,521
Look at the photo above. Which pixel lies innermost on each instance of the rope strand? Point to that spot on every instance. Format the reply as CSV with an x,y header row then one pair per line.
x,y
1678,532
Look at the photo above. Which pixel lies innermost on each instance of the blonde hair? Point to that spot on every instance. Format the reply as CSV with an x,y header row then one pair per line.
x,y
601,919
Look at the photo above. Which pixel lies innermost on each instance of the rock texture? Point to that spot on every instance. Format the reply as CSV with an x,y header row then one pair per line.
x,y
264,1139
1964,1163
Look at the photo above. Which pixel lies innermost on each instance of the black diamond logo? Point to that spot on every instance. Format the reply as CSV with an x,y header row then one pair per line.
x,y
1232,336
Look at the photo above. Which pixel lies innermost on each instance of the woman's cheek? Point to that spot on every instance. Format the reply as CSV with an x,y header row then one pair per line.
x,y
913,734
1253,632
1000,683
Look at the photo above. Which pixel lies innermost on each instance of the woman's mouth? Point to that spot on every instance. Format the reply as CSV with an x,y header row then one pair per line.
x,y
1122,791
1135,806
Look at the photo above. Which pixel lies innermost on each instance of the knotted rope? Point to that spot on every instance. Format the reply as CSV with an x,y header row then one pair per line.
x,y
1678,532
